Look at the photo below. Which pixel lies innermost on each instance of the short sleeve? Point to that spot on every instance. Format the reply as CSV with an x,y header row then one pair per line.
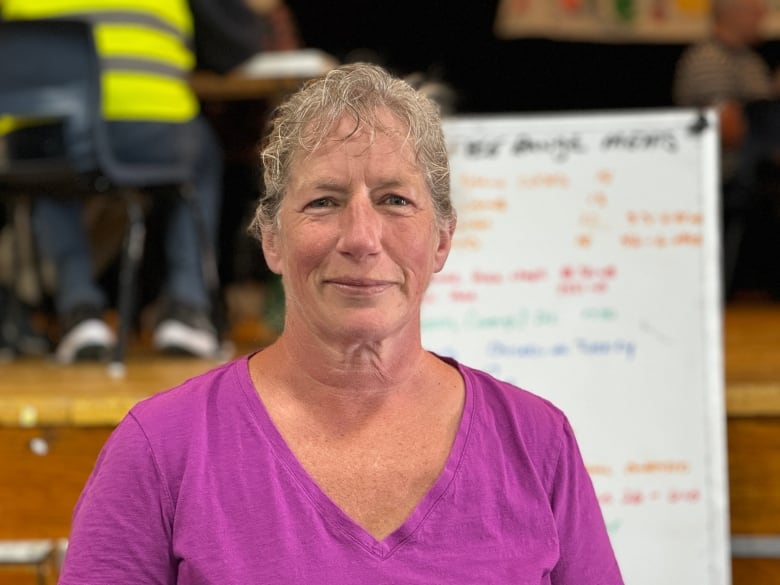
x,y
707,74
586,555
122,522
701,78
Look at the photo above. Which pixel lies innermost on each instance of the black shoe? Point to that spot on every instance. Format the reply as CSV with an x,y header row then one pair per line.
x,y
18,334
7,349
186,330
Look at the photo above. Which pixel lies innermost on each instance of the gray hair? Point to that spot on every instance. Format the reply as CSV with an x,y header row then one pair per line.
x,y
360,91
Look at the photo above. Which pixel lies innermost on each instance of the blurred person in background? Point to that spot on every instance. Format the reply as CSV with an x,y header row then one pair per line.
x,y
148,51
726,72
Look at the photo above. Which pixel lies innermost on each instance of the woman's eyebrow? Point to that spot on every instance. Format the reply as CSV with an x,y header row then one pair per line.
x,y
325,184
388,184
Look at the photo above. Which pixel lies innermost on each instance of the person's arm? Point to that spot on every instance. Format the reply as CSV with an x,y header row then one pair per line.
x,y
229,32
122,523
284,30
586,555
701,80
732,123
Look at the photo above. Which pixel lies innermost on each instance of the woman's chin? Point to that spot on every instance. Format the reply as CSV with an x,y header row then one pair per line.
x,y
363,329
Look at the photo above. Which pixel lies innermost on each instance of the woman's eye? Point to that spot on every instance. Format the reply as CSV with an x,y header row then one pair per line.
x,y
320,203
396,200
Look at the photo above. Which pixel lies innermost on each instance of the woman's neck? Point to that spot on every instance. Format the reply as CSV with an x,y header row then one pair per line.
x,y
347,378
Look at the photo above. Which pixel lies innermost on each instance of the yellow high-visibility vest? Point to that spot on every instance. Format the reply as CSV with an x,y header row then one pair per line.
x,y
144,48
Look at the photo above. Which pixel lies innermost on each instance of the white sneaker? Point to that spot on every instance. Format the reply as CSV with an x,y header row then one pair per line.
x,y
187,331
90,339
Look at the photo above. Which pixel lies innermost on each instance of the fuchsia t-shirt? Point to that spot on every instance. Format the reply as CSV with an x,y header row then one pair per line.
x,y
196,486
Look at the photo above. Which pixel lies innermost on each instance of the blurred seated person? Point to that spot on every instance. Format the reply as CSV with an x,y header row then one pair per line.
x,y
20,333
344,452
725,71
152,115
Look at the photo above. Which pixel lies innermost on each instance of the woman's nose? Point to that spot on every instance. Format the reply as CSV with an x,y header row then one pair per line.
x,y
361,228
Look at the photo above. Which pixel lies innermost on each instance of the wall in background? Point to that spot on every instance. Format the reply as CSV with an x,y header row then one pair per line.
x,y
493,75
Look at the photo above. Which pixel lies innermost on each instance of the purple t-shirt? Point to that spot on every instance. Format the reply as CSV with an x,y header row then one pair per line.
x,y
196,486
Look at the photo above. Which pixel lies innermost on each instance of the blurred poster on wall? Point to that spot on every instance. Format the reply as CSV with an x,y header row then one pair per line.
x,y
641,21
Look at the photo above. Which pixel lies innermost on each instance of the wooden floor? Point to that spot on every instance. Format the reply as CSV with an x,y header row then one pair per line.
x,y
752,364
752,358
54,419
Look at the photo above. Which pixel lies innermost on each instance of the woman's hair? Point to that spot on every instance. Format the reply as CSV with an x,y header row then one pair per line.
x,y
360,91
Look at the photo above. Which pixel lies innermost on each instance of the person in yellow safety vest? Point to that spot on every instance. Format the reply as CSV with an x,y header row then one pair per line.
x,y
147,52
144,50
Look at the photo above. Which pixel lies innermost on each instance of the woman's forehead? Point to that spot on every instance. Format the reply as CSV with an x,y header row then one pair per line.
x,y
349,125
387,135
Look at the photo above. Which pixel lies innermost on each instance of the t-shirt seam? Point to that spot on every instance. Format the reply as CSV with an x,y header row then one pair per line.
x,y
469,386
558,456
157,467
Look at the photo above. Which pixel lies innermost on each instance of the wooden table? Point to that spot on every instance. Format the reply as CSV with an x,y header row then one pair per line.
x,y
53,421
210,86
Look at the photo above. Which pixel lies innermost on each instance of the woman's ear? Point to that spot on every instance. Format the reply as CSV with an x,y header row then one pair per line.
x,y
270,243
445,243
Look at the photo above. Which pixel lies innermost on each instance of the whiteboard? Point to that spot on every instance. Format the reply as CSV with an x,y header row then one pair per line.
x,y
585,269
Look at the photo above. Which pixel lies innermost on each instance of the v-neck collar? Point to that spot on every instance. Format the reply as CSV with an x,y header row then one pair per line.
x,y
332,513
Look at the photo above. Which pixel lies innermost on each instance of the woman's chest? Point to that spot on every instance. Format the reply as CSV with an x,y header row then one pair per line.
x,y
377,484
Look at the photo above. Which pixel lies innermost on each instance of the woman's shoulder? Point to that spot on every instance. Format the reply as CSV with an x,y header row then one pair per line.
x,y
195,398
516,407
495,387
524,428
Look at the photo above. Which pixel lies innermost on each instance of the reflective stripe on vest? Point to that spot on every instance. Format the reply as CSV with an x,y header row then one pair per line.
x,y
143,51
174,12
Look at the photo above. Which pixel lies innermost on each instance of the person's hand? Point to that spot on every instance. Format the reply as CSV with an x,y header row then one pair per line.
x,y
733,126
258,6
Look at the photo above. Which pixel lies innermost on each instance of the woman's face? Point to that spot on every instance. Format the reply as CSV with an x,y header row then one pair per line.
x,y
358,240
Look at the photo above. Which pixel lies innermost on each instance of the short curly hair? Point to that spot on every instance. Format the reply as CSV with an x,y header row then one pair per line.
x,y
360,91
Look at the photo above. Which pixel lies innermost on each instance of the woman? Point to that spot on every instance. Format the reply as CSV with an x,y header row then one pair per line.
x,y
344,452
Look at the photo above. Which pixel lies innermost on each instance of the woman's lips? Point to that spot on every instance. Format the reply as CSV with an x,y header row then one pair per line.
x,y
364,286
